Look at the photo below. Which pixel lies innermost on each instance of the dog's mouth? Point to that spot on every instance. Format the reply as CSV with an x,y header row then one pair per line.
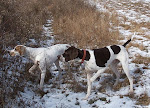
x,y
12,53
66,59
66,56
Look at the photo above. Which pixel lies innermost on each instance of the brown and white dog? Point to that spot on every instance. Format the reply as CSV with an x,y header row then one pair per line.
x,y
42,57
98,60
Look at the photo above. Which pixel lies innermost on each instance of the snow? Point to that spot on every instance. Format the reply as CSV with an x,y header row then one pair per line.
x,y
65,98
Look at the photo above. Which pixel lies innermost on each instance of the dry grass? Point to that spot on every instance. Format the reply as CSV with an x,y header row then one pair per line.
x,y
144,99
137,45
137,26
21,20
141,60
134,26
76,22
73,84
147,36
125,26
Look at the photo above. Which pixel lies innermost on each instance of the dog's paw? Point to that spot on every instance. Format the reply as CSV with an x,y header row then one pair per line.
x,y
115,85
32,73
85,98
131,91
40,87
41,92
131,94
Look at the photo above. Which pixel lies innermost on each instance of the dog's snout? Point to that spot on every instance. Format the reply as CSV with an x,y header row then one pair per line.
x,y
11,53
66,59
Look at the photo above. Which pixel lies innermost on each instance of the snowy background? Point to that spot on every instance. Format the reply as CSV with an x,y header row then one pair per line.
x,y
63,97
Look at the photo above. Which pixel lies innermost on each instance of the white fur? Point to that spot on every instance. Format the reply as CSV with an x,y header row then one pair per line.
x,y
43,58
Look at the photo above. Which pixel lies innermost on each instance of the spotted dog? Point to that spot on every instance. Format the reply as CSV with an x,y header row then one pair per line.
x,y
42,57
98,60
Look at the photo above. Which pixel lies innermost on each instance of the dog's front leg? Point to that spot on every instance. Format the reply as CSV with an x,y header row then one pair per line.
x,y
89,83
42,79
91,79
43,73
59,69
98,74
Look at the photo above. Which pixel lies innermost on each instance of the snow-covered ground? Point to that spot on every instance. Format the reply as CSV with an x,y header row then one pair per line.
x,y
65,98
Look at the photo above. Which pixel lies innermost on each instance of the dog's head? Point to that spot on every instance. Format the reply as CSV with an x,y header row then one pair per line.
x,y
70,54
18,50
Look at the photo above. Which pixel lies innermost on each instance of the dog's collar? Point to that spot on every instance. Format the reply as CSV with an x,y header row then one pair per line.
x,y
84,55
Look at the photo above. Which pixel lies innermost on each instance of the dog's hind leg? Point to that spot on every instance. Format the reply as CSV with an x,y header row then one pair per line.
x,y
113,66
125,66
43,73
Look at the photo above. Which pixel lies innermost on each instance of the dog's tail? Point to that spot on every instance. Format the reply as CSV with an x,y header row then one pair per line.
x,y
129,40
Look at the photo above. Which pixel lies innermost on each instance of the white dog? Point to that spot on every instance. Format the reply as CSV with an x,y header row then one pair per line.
x,y
42,57
98,60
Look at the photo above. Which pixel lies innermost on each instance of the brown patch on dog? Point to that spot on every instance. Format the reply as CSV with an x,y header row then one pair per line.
x,y
71,53
20,49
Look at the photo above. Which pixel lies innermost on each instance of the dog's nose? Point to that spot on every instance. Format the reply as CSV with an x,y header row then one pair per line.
x,y
8,51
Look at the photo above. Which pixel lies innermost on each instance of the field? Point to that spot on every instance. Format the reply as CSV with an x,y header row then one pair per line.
x,y
84,24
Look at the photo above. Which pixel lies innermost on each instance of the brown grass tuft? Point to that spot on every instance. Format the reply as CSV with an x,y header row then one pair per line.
x,y
72,83
137,45
144,99
147,36
141,60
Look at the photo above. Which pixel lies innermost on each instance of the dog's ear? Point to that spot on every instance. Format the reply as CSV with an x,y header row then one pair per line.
x,y
73,52
20,49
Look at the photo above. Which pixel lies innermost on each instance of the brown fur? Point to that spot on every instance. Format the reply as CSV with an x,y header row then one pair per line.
x,y
71,53
20,49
